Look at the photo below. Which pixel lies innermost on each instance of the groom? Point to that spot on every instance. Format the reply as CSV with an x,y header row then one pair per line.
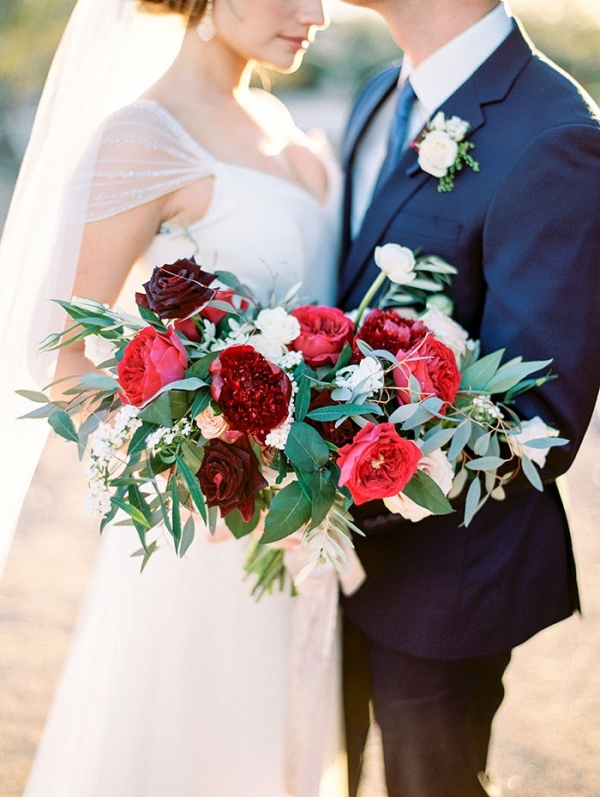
x,y
443,605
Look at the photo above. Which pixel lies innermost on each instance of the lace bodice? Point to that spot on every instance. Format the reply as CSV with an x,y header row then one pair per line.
x,y
269,231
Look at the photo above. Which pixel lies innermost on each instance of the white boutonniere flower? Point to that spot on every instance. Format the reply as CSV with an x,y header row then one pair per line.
x,y
443,150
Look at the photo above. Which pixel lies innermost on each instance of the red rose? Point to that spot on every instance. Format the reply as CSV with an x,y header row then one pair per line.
x,y
187,327
253,393
230,476
324,331
176,290
434,366
215,314
388,330
338,435
378,463
151,361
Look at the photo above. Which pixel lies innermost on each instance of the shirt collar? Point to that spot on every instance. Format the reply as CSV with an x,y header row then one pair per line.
x,y
439,76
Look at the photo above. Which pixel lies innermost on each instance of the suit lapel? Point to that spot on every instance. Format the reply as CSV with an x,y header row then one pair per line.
x,y
490,83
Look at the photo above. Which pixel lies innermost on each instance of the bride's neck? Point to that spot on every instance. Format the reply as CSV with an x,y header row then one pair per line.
x,y
209,69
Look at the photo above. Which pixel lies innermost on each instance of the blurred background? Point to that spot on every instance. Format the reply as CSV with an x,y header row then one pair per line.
x,y
547,736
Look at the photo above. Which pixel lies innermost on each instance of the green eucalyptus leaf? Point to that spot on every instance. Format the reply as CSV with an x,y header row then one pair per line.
x,y
479,373
485,463
187,536
460,439
337,411
34,395
531,473
472,502
302,399
62,424
323,495
290,509
426,493
510,374
437,440
240,527
192,484
158,412
305,447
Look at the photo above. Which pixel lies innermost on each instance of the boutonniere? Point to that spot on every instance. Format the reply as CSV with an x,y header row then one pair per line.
x,y
443,150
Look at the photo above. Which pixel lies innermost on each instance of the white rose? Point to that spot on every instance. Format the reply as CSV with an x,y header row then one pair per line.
x,y
437,467
535,429
398,262
446,330
278,325
270,348
437,152
98,349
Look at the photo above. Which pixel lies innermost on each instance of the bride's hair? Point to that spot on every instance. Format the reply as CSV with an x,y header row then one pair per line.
x,y
187,8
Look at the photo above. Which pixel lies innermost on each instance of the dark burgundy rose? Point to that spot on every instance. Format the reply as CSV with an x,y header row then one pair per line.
x,y
230,476
388,330
176,290
339,435
253,393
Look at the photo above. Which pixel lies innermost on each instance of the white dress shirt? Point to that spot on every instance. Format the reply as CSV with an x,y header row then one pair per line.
x,y
434,80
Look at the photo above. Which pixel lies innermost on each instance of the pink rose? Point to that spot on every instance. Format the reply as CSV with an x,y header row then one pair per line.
x,y
151,361
324,331
434,366
378,463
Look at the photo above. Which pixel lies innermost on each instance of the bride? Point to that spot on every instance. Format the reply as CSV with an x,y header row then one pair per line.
x,y
177,682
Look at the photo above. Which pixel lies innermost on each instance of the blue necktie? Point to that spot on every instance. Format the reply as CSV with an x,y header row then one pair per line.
x,y
406,98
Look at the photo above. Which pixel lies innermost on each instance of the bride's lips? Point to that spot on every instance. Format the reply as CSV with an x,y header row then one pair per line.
x,y
297,42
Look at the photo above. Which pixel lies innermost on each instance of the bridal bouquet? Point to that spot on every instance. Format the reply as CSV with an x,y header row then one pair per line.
x,y
278,419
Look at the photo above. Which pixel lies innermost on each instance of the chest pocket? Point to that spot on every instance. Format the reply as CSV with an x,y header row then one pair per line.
x,y
410,229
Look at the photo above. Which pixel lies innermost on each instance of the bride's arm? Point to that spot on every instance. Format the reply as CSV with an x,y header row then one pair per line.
x,y
109,249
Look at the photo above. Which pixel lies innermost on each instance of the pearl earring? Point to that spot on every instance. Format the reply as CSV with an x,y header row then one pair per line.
x,y
207,29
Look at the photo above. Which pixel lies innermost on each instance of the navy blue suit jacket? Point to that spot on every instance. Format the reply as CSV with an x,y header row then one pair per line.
x,y
524,233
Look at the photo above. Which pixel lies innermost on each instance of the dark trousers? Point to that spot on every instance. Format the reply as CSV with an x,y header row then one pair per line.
x,y
435,716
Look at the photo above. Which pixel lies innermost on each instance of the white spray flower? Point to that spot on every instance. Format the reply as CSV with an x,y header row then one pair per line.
x,y
534,429
398,262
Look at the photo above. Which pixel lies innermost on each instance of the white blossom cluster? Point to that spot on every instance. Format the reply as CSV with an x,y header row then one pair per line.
x,y
167,435
277,438
106,441
485,409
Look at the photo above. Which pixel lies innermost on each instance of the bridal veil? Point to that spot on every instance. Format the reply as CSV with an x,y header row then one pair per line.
x,y
109,54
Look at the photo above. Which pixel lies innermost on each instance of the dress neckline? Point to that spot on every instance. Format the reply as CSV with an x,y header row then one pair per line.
x,y
227,164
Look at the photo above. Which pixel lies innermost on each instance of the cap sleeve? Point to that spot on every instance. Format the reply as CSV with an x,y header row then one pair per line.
x,y
140,154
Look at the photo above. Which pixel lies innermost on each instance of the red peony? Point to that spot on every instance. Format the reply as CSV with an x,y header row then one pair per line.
x,y
324,331
378,463
230,476
176,290
150,361
253,393
338,435
388,330
434,366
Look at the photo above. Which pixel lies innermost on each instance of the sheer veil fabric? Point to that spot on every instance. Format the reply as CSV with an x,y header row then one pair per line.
x,y
109,54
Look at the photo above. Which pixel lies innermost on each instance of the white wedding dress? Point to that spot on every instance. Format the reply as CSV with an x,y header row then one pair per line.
x,y
179,684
